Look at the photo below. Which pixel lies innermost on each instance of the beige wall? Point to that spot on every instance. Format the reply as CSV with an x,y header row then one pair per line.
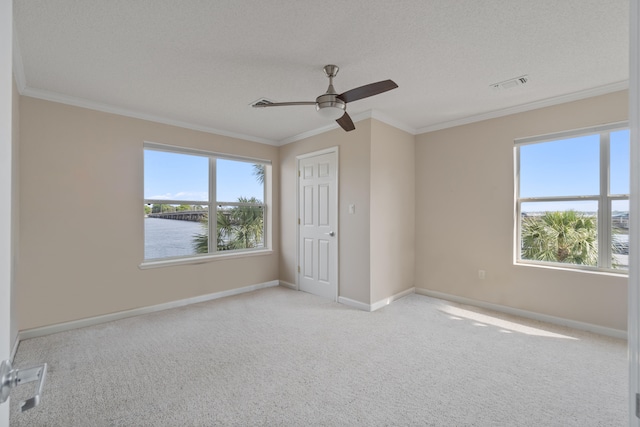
x,y
354,177
465,218
392,228
81,231
15,206
81,224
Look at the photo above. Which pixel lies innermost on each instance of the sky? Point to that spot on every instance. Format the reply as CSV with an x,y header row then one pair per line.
x,y
559,168
570,167
171,176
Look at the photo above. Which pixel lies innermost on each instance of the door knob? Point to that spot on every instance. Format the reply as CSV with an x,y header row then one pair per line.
x,y
331,233
11,378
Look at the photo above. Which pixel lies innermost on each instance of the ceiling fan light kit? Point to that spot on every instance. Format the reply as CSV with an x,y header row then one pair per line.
x,y
331,108
333,105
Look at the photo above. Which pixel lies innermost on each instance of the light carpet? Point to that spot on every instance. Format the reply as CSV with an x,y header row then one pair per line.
x,y
278,357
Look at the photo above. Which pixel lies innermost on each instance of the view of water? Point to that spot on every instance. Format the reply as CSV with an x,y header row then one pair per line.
x,y
169,238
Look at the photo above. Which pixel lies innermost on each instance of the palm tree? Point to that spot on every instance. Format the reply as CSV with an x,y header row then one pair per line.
x,y
224,230
201,240
247,224
258,172
239,227
561,236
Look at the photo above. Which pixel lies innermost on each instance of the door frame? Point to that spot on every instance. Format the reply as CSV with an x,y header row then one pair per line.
x,y
336,260
633,322
6,167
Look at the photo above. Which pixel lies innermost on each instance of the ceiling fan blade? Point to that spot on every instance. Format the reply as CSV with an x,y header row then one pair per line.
x,y
367,90
345,122
263,104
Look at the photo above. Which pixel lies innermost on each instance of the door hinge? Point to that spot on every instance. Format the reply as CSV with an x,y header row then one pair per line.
x,y
638,405
298,269
298,174
298,221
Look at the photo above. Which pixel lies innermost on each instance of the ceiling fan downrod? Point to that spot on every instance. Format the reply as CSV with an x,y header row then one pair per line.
x,y
328,104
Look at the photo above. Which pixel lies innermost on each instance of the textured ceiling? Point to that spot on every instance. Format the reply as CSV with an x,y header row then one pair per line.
x,y
201,63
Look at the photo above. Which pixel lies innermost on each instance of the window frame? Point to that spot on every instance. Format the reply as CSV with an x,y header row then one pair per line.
x,y
604,199
212,204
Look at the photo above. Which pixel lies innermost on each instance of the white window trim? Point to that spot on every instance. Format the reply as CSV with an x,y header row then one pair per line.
x,y
201,259
185,150
609,127
604,199
212,203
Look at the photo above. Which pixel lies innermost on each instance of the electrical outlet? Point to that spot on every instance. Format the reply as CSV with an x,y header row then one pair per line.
x,y
482,274
352,208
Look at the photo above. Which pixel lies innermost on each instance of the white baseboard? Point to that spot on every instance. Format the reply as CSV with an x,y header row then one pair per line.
x,y
382,303
288,285
90,321
14,348
602,330
355,304
376,305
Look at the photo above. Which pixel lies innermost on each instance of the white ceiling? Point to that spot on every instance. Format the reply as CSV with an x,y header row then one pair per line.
x,y
201,63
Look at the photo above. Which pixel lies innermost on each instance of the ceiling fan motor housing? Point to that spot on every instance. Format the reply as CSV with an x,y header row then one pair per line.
x,y
329,105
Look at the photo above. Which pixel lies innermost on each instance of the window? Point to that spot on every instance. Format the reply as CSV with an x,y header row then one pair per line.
x,y
182,187
572,200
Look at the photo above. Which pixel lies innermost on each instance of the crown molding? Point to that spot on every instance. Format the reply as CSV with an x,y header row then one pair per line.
x,y
18,66
333,125
369,114
309,134
106,108
382,117
24,90
562,99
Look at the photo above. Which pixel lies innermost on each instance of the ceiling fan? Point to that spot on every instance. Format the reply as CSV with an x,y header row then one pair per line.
x,y
333,105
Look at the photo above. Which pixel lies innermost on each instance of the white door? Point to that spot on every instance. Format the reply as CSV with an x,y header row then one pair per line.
x,y
318,223
6,88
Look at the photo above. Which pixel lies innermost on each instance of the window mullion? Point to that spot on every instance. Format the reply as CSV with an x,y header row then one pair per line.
x,y
213,212
266,178
604,205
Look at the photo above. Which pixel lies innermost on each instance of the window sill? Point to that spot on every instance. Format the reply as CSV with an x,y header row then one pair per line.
x,y
202,259
594,270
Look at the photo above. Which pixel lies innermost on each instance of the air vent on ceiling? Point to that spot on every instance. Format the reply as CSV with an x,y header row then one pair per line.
x,y
511,83
262,101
